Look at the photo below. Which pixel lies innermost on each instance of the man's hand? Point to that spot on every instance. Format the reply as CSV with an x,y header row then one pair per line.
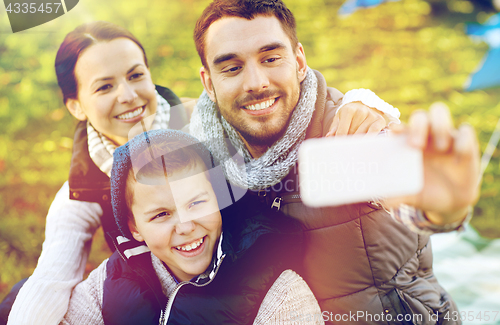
x,y
451,165
356,118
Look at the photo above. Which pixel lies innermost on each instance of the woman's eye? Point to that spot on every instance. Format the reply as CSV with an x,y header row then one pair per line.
x,y
104,88
136,75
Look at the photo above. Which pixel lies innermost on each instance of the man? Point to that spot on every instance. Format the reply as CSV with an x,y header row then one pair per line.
x,y
362,264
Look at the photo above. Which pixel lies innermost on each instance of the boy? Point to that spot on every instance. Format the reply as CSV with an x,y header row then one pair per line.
x,y
178,259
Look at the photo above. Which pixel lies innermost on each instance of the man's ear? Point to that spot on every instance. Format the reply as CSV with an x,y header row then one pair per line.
x,y
301,62
134,232
75,109
207,83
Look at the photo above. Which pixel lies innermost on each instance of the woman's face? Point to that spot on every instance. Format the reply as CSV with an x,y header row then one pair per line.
x,y
115,90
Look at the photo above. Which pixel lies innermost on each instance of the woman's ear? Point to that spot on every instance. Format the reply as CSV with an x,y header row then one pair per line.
x,y
134,232
75,109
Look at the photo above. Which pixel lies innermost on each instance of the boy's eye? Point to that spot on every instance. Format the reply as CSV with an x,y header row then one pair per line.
x,y
160,215
195,203
104,88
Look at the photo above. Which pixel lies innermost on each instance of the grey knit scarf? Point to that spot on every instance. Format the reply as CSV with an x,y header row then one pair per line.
x,y
276,162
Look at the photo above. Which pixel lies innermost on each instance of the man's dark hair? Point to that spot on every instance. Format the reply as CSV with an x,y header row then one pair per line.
x,y
247,9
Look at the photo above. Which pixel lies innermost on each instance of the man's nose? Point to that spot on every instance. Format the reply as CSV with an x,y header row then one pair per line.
x,y
255,78
126,93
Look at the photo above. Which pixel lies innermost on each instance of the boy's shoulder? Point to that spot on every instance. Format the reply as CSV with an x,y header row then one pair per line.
x,y
132,292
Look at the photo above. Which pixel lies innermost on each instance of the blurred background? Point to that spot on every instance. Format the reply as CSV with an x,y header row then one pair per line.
x,y
410,52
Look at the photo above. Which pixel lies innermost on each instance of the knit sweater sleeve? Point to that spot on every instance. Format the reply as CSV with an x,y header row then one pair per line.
x,y
289,301
85,306
69,228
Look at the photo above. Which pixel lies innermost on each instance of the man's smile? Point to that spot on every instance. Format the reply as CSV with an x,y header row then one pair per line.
x,y
262,108
261,105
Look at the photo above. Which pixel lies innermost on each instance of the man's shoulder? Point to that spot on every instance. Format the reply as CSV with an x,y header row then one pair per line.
x,y
332,93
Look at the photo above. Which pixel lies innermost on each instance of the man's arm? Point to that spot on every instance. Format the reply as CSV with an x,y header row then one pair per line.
x,y
451,158
70,225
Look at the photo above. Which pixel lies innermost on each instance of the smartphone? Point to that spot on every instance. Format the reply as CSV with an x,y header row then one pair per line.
x,y
358,168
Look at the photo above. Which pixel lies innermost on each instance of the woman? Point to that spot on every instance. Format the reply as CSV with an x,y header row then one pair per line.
x,y
103,73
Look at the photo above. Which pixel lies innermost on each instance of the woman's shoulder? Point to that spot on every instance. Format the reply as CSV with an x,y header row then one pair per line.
x,y
168,94
179,117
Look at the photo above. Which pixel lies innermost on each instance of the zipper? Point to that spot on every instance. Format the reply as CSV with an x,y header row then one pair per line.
x,y
276,203
165,314
285,199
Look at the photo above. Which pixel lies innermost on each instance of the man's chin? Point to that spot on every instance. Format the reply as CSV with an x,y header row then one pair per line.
x,y
262,138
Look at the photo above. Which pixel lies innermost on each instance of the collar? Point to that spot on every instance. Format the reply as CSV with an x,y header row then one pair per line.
x,y
133,251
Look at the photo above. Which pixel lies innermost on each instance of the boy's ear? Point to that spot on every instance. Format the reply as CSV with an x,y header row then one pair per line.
x,y
75,109
133,230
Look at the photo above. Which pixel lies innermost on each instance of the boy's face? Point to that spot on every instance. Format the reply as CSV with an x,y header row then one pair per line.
x,y
180,220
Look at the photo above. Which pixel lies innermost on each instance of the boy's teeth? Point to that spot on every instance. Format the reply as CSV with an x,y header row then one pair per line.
x,y
191,246
129,115
260,106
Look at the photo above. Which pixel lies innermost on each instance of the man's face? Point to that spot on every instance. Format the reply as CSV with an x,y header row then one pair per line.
x,y
254,75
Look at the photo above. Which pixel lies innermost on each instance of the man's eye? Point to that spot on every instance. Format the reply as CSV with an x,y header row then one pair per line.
x,y
104,88
136,75
233,69
270,60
